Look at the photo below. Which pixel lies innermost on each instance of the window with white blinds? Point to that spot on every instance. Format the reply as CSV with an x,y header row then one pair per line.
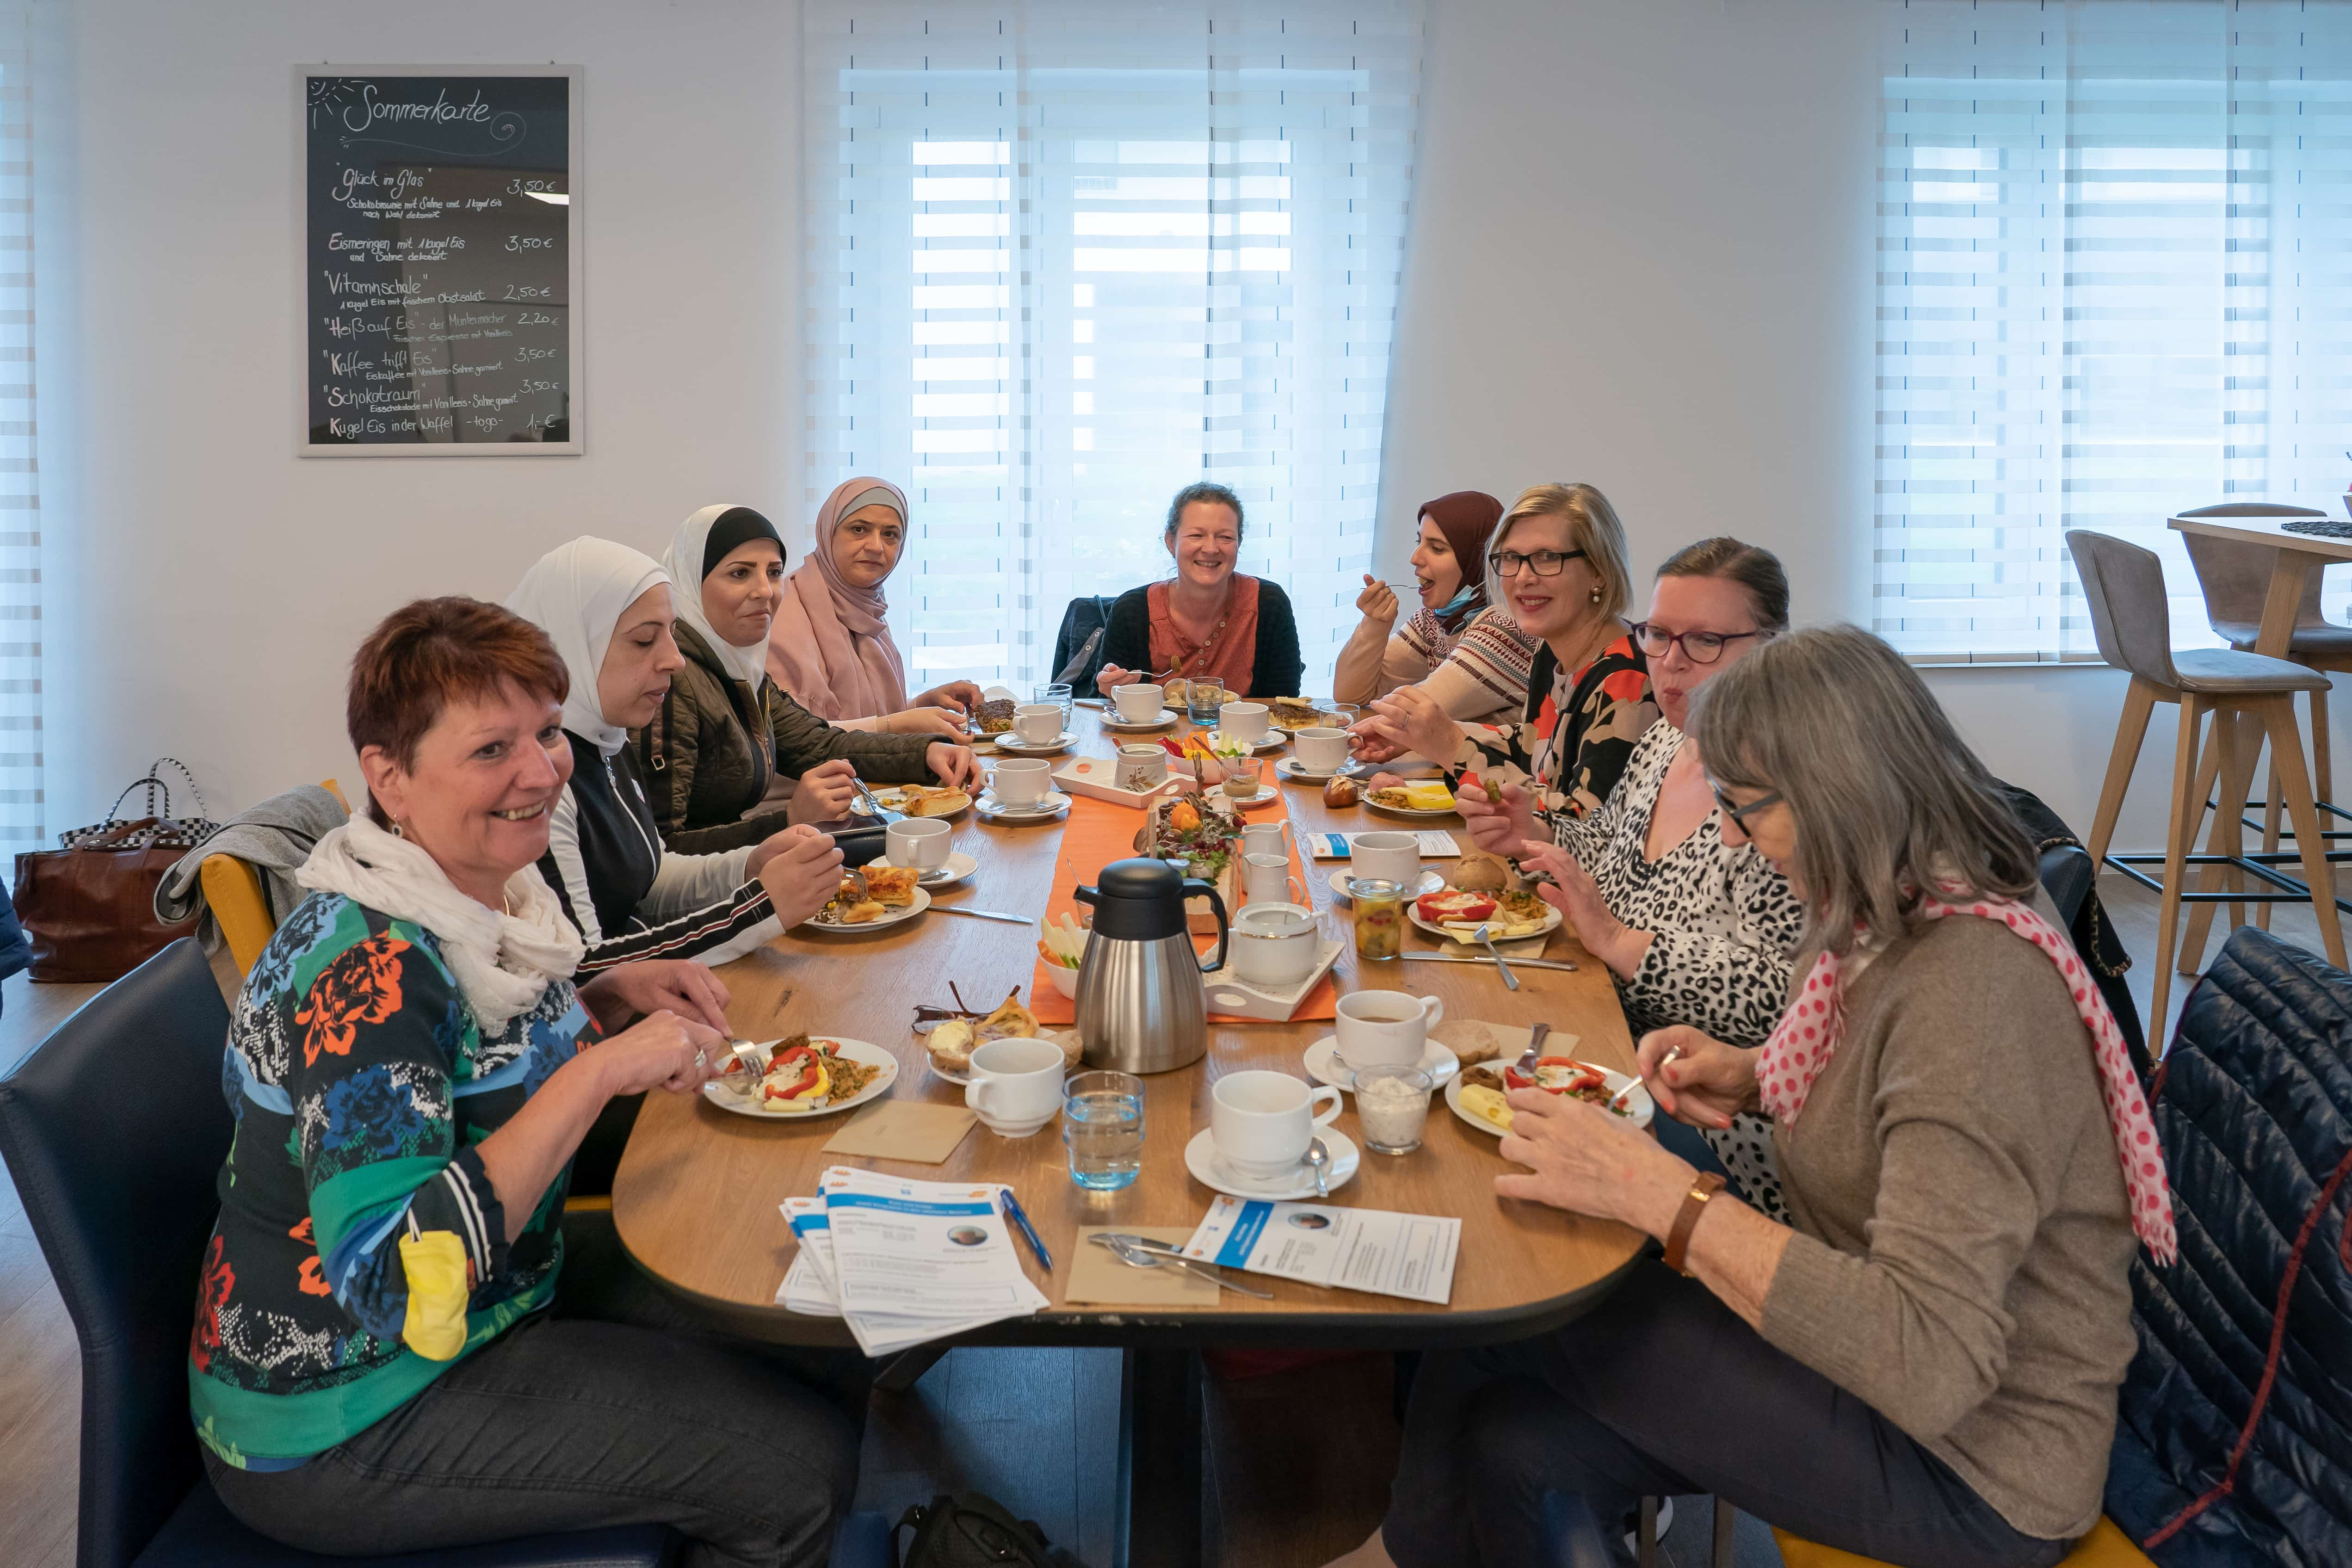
x,y
2114,283
22,818
1066,258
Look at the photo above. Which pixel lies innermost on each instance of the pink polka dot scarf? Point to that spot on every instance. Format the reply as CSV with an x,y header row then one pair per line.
x,y
1809,1033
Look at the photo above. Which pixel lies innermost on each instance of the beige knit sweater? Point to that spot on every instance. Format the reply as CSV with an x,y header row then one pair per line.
x,y
1963,1236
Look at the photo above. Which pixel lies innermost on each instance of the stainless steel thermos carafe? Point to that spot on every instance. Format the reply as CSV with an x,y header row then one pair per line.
x,y
1142,1005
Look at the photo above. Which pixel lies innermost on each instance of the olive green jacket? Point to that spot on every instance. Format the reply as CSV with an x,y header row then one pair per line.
x,y
708,755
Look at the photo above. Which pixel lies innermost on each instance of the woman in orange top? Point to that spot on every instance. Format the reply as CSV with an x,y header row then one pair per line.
x,y
1209,622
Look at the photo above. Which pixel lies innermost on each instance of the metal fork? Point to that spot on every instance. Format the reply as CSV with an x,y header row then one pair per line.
x,y
1510,981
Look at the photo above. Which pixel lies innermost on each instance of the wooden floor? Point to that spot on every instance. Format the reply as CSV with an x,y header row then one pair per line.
x,y
1299,1459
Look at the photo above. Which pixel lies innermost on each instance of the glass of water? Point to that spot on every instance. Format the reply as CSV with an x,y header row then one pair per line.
x,y
1058,693
1203,701
1102,1124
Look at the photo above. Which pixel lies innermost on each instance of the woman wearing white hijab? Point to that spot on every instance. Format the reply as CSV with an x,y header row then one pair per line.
x,y
727,735
830,646
608,609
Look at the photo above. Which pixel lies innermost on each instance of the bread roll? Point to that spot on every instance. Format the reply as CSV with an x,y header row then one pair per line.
x,y
1480,872
1339,792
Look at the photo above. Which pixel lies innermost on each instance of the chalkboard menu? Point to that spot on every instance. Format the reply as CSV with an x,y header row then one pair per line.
x,y
441,261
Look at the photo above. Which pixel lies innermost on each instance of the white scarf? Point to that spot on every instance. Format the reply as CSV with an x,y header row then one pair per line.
x,y
504,961
575,593
684,564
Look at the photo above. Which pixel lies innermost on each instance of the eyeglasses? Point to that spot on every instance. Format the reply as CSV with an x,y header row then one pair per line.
x,y
1543,563
1699,648
1738,815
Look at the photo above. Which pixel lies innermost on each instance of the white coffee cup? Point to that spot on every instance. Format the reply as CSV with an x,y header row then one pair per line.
x,y
1388,857
1142,768
1016,1085
1273,943
1320,751
1039,723
1385,1028
1266,878
1021,781
1261,1122
1138,704
920,842
1245,721
1266,838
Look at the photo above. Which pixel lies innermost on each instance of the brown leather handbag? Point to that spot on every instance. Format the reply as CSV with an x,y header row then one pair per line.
x,y
90,908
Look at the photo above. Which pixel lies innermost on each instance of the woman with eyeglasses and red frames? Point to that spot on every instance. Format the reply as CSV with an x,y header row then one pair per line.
x,y
1557,565
1695,931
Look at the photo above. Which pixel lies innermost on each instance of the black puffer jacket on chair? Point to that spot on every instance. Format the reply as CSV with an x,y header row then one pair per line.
x,y
2253,1105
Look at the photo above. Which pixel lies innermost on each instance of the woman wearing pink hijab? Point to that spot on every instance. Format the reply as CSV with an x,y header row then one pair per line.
x,y
830,644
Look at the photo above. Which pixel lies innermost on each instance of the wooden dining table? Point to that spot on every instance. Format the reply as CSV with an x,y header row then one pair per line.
x,y
696,1199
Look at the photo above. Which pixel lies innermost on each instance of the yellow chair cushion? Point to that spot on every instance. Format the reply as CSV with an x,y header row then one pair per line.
x,y
2106,1547
233,890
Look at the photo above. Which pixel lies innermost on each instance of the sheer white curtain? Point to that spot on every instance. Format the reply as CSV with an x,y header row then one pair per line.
x,y
1066,258
22,819
2114,283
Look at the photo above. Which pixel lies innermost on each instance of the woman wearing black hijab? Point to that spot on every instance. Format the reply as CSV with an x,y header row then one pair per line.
x,y
727,731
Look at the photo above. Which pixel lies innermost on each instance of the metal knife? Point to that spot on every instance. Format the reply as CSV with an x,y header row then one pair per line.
x,y
986,914
1516,963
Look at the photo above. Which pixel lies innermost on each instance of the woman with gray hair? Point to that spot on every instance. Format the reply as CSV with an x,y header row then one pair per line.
x,y
1557,564
1922,1365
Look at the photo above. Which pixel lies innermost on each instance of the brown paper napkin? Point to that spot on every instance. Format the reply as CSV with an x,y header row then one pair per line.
x,y
1097,1275
904,1130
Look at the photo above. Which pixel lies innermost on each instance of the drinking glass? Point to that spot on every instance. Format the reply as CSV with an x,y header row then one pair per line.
x,y
1380,918
1057,691
1102,1125
1392,1106
1203,701
1243,777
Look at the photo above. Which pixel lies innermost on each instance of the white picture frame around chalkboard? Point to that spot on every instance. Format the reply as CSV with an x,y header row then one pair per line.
x,y
571,402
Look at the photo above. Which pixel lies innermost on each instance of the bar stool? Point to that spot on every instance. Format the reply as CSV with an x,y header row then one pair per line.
x,y
2123,586
2235,578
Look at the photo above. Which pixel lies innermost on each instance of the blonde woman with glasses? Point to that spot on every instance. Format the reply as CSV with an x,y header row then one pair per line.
x,y
1557,565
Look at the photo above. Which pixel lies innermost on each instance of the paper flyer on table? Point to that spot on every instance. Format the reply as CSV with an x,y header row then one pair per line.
x,y
1407,1255
808,1283
1334,846
904,1261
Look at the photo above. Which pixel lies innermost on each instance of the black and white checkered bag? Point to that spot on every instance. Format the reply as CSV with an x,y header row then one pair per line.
x,y
161,829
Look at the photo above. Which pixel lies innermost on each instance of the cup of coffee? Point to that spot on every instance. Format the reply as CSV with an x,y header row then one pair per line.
x,y
1142,768
1138,704
1261,1122
1274,944
920,842
1320,751
1039,723
1266,838
1016,1085
1385,1028
1266,878
1245,721
1024,781
1385,856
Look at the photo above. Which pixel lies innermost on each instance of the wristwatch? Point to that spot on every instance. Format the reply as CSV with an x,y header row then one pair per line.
x,y
1705,1186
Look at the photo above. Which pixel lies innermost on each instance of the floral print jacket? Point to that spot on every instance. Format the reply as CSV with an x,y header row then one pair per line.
x,y
1576,735
362,1085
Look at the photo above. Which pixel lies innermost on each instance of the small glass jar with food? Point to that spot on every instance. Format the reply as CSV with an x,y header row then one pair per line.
x,y
1380,918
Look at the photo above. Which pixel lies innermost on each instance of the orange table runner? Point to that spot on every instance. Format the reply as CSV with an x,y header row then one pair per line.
x,y
1097,833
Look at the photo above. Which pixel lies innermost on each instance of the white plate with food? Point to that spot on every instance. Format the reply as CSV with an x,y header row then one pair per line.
x,y
959,867
1218,741
1509,917
917,800
1398,801
1013,745
1200,1159
892,899
1111,720
1476,1094
805,1080
1429,882
1054,803
952,1041
1301,713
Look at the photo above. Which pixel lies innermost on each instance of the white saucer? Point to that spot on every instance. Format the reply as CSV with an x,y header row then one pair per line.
x,y
1431,883
959,866
1200,1159
1052,805
1013,745
1111,720
1324,1065
1275,741
1291,768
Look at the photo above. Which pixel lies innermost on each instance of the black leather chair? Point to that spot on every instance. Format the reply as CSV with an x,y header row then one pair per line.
x,y
2067,875
119,1187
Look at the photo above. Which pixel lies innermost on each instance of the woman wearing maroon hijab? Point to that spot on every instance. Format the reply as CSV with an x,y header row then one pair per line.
x,y
1468,655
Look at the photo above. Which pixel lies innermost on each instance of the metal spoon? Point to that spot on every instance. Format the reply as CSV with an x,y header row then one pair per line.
x,y
1510,981
1318,1159
1134,1257
1527,1064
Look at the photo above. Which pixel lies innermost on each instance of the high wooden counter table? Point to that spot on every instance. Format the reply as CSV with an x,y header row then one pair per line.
x,y
696,1198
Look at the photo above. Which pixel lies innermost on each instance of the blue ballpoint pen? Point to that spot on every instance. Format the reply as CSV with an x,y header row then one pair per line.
x,y
1029,1232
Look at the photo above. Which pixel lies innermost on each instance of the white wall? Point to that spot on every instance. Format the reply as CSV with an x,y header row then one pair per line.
x,y
209,585
1642,256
